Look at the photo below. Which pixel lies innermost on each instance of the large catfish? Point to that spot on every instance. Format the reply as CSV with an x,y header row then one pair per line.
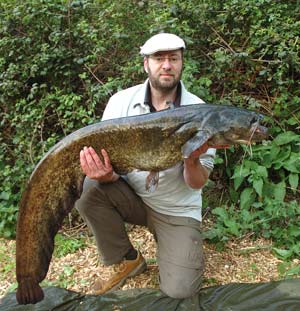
x,y
150,142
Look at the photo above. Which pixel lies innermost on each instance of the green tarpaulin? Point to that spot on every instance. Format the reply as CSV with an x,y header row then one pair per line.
x,y
272,296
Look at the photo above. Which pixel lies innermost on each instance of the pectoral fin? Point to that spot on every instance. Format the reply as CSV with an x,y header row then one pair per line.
x,y
171,105
194,143
152,181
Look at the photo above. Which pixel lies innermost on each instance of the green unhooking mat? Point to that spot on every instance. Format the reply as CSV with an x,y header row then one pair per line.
x,y
272,296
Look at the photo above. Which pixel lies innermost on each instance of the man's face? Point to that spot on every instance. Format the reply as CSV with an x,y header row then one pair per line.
x,y
164,69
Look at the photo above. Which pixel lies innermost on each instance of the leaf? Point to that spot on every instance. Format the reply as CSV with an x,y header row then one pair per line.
x,y
240,172
286,137
212,234
4,195
282,157
246,216
279,191
258,186
274,151
294,181
293,163
246,198
238,181
283,253
233,227
261,171
220,212
234,195
293,271
294,231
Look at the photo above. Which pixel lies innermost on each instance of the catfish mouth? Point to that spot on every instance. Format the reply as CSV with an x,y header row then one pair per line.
x,y
257,133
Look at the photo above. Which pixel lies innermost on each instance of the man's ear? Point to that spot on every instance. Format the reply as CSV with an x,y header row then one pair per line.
x,y
146,64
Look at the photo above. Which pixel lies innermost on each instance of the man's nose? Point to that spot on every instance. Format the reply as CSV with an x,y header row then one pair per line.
x,y
166,63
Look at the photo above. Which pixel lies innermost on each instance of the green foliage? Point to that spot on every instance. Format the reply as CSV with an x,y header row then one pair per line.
x,y
65,245
7,265
61,60
289,269
264,187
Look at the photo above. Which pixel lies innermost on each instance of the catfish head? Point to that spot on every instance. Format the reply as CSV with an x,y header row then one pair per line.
x,y
240,135
221,125
239,126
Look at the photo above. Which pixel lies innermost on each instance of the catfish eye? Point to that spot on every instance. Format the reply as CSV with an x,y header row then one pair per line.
x,y
253,120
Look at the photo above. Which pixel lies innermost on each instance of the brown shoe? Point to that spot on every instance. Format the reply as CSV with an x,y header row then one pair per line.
x,y
122,271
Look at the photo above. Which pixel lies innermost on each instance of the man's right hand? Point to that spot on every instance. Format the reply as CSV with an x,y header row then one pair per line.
x,y
94,168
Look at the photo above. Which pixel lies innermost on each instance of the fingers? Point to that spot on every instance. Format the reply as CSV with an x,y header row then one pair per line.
x,y
106,158
89,160
93,158
93,167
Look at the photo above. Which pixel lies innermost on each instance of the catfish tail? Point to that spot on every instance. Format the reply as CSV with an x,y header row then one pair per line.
x,y
29,291
35,241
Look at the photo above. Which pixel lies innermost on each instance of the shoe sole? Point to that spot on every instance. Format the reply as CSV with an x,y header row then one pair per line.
x,y
138,270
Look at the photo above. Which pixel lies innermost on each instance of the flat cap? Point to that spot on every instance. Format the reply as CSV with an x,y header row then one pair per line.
x,y
162,42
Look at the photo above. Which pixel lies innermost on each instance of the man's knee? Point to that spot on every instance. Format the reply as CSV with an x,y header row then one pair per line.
x,y
180,290
179,286
81,206
88,196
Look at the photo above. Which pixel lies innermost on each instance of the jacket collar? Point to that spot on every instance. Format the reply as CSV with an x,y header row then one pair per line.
x,y
147,102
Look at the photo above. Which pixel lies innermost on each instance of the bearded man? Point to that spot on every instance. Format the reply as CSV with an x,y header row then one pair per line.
x,y
173,211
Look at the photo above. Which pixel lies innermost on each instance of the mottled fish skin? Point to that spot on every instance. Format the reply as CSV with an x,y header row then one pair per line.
x,y
150,142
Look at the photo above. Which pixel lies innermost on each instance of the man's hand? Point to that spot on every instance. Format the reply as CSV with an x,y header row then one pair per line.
x,y
94,168
196,175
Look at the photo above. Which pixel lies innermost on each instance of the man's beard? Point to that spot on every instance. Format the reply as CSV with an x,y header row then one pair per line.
x,y
163,86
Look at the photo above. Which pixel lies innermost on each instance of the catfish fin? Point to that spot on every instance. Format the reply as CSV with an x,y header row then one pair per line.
x,y
171,105
194,143
188,127
152,181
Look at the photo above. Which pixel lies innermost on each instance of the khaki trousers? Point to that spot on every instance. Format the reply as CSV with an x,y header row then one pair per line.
x,y
106,207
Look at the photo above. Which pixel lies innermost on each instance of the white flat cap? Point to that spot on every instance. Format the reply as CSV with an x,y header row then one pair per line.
x,y
162,42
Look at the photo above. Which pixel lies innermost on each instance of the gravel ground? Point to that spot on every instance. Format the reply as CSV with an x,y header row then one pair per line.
x,y
242,260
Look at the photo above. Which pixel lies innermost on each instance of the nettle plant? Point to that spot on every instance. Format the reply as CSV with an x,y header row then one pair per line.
x,y
264,196
271,172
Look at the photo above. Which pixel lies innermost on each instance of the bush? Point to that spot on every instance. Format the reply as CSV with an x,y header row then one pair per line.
x,y
61,60
264,188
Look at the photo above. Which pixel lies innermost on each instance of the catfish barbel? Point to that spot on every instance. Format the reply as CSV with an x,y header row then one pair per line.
x,y
149,142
